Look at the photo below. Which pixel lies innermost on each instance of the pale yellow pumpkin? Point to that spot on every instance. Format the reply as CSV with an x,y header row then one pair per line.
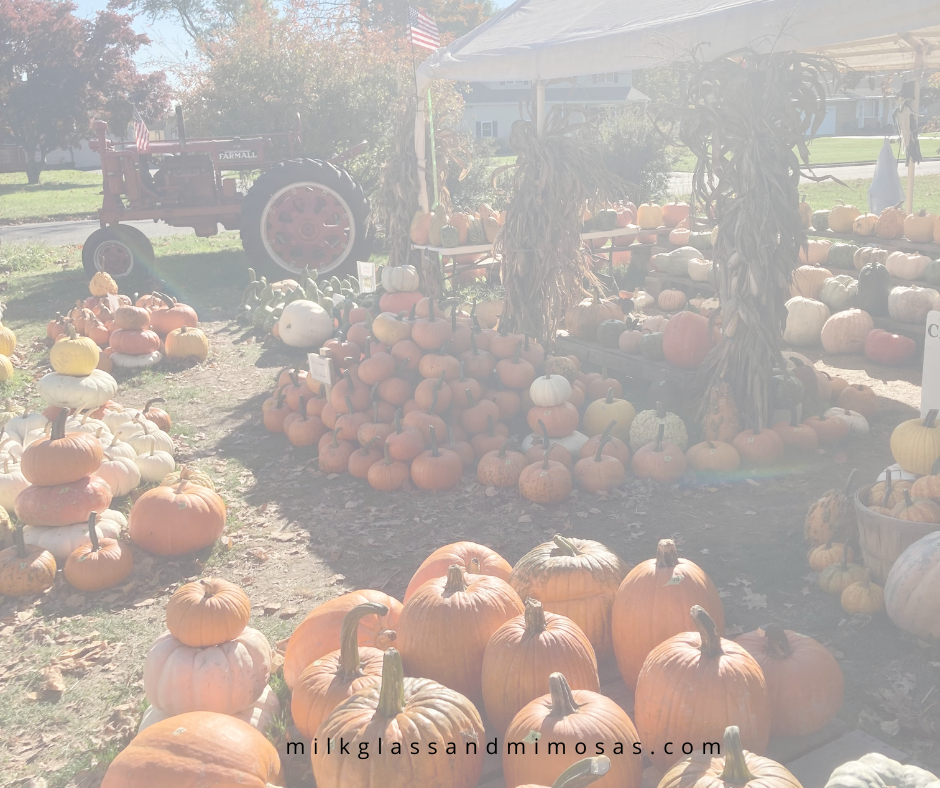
x,y
649,216
807,281
74,355
6,369
7,341
671,300
102,284
846,332
816,252
842,218
918,227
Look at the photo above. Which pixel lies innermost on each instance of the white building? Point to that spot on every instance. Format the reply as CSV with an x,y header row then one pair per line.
x,y
491,107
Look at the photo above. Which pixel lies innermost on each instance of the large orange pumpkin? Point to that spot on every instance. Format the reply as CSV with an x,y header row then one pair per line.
x,y
476,559
195,750
61,458
63,504
328,681
398,712
693,686
522,654
653,603
177,520
207,612
577,578
319,633
570,718
803,679
446,624
687,339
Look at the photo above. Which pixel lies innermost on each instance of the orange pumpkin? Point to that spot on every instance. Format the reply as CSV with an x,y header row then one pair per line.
x,y
63,504
99,564
60,458
759,447
207,612
177,520
662,462
691,685
25,569
388,474
448,621
476,559
522,654
501,468
546,481
653,603
859,398
721,415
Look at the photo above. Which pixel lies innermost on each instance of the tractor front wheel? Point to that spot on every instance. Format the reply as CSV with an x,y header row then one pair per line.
x,y
306,213
120,250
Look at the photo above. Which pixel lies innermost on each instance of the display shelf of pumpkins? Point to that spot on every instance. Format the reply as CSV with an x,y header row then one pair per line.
x,y
440,229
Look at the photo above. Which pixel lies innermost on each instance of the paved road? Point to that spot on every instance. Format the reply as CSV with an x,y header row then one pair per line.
x,y
65,233
681,182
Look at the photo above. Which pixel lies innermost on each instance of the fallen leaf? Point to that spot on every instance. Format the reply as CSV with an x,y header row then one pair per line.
x,y
891,727
526,518
840,457
53,685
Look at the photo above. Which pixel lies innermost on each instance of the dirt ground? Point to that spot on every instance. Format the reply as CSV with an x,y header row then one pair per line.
x,y
296,538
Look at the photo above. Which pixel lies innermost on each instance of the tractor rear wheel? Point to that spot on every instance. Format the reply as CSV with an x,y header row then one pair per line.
x,y
120,250
306,213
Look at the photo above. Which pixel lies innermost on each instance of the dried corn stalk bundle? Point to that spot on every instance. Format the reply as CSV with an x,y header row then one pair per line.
x,y
544,269
745,115
398,190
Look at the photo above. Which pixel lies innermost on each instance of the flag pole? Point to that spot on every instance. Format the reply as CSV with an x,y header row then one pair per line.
x,y
433,153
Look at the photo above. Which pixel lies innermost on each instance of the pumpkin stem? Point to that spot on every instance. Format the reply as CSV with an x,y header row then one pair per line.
x,y
392,691
388,459
735,771
516,357
845,490
502,449
600,446
610,396
666,554
583,773
335,442
564,546
93,531
19,542
778,644
563,702
888,486
659,437
349,406
470,400
711,640
433,433
907,500
348,668
930,420
58,426
349,381
456,582
534,617
660,410
434,395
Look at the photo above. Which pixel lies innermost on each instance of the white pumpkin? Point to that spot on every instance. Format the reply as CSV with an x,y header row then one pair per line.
x,y
136,361
655,323
911,304
259,715
121,474
115,418
85,423
157,440
839,292
572,442
154,465
906,266
136,426
399,278
19,426
857,423
305,324
549,391
65,391
897,473
805,319
711,304
179,678
11,448
699,270
33,436
642,299
119,448
12,483
63,540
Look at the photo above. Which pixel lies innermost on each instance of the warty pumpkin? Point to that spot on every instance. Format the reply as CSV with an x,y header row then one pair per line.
x,y
319,633
570,717
207,612
328,681
100,564
521,655
397,712
63,504
735,766
61,458
475,558
577,578
728,683
890,223
446,624
720,422
653,603
831,517
177,520
196,749
804,680
912,588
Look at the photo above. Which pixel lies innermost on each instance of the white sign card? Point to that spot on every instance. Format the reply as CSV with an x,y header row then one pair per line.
x,y
321,368
930,381
366,277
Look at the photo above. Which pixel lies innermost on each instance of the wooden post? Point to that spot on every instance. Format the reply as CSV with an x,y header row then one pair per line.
x,y
540,107
915,105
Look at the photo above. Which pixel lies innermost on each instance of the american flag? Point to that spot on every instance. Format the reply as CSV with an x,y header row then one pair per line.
x,y
422,31
141,133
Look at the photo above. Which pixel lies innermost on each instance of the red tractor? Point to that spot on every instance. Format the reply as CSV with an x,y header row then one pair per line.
x,y
300,213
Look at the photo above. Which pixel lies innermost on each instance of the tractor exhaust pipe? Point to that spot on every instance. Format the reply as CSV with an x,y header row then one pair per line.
x,y
180,128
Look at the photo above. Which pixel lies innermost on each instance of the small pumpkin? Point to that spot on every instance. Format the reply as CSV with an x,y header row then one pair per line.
x,y
549,390
915,444
186,342
582,319
61,458
72,354
177,520
662,462
836,577
807,281
100,564
907,266
600,472
864,224
672,300
25,570
831,517
918,227
207,612
545,481
863,597
501,468
805,320
759,446
916,510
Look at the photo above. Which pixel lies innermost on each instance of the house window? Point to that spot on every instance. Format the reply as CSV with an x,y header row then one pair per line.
x,y
487,129
515,82
605,79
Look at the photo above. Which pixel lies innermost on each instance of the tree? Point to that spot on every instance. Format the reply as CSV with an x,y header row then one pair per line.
x,y
59,72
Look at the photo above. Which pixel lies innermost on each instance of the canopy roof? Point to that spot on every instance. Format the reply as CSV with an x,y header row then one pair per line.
x,y
555,39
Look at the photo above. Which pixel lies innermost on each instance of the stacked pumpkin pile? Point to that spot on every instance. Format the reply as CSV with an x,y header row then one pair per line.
x,y
208,637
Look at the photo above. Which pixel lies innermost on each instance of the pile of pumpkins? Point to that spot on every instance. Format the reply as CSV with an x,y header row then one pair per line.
x,y
475,634
109,330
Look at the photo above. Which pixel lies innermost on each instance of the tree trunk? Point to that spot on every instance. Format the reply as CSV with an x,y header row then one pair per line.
x,y
33,167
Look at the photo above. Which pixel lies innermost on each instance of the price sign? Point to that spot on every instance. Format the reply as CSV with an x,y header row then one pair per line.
x,y
930,383
321,368
366,277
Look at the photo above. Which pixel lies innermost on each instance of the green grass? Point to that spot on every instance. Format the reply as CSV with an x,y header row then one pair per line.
x,y
824,194
836,150
60,194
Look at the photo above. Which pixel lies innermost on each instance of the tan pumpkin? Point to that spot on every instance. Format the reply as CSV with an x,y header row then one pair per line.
x,y
863,597
836,577
671,300
808,280
846,331
842,218
816,252
831,517
577,578
907,266
918,227
583,319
